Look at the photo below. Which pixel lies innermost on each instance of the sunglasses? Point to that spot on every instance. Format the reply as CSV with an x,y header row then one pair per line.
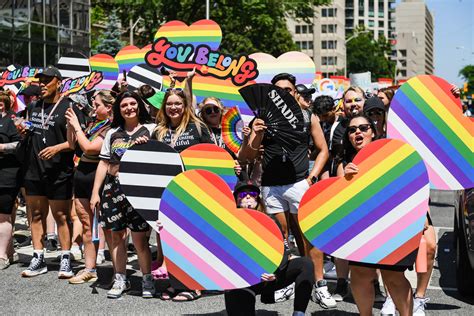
x,y
375,113
211,108
45,80
349,101
174,89
243,194
362,127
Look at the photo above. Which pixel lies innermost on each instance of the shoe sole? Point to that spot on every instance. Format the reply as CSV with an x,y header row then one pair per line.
x,y
319,302
65,275
33,274
83,281
148,295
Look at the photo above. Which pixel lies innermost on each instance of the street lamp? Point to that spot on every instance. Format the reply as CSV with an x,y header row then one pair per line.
x,y
354,35
132,26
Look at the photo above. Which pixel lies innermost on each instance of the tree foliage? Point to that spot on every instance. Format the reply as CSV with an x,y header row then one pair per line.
x,y
467,73
248,26
364,53
109,41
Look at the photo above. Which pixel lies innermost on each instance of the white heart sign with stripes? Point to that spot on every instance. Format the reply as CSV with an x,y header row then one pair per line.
x,y
145,171
143,74
73,65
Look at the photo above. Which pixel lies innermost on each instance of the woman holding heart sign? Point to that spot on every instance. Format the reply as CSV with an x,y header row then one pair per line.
x,y
360,132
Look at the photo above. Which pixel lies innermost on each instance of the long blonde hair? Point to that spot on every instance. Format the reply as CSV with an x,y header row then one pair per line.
x,y
163,122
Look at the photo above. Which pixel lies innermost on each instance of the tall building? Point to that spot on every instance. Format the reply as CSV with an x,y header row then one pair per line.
x,y
324,41
414,49
37,32
374,15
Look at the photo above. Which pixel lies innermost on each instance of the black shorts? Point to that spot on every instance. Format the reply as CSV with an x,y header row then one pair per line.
x,y
381,266
7,199
116,213
84,180
57,190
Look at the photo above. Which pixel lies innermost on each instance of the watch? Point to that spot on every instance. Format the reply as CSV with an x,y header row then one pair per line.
x,y
313,180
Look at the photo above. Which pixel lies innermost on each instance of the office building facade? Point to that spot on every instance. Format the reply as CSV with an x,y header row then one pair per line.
x,y
38,32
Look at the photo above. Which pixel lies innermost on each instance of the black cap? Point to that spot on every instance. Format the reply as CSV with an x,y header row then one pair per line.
x,y
303,90
31,90
50,71
373,103
246,185
284,76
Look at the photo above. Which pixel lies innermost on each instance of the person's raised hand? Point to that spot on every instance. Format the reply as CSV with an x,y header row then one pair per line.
x,y
141,140
259,126
351,169
267,277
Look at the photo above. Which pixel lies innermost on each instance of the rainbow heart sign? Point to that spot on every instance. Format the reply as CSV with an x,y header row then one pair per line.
x,y
376,216
208,243
109,68
425,114
205,32
212,158
130,56
296,63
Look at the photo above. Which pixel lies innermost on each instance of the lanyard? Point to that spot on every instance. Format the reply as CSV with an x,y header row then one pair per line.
x,y
215,138
45,122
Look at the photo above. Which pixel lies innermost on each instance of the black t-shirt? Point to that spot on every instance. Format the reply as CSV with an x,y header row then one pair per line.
x,y
335,143
190,136
281,167
117,141
53,133
9,165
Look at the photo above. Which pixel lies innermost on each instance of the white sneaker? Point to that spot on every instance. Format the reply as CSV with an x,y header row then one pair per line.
x,y
148,286
388,308
37,266
419,304
65,270
322,296
120,285
100,258
76,253
285,294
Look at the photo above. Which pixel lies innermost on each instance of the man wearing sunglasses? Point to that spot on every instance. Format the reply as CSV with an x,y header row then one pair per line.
x,y
48,178
286,178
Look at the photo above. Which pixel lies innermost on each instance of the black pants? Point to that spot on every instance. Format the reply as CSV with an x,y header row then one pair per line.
x,y
299,270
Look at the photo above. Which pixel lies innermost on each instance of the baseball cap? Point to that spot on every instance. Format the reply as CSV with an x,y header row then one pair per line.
x,y
303,90
245,185
50,71
373,103
284,76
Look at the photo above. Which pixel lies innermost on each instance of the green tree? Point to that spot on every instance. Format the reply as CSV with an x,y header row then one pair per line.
x,y
248,26
109,41
364,53
467,73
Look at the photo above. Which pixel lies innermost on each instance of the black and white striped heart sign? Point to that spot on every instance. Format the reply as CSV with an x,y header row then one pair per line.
x,y
143,74
73,65
145,171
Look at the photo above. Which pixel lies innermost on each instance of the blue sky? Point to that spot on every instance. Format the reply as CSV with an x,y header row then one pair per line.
x,y
454,36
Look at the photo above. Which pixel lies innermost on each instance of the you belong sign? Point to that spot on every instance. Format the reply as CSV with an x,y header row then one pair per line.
x,y
208,62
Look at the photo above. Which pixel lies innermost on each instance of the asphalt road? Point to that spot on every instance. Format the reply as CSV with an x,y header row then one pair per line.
x,y
46,294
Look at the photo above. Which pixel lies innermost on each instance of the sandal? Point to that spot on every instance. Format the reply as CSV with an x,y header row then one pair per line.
x,y
168,294
186,296
160,274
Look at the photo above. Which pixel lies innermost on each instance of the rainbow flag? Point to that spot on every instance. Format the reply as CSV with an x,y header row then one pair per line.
x,y
212,158
378,215
425,114
207,242
232,129
109,68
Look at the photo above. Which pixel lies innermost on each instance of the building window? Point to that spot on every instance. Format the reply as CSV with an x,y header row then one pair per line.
x,y
304,45
361,23
329,28
298,29
328,44
349,23
298,43
328,60
310,45
324,28
304,29
310,29
371,23
381,23
324,13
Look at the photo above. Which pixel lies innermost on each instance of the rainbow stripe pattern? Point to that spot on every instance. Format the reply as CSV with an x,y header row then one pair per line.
x,y
130,56
232,129
207,242
378,215
297,63
109,68
225,90
201,32
425,114
212,158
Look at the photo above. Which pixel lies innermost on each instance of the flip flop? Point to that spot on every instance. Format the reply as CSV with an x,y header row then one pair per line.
x,y
186,296
167,294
